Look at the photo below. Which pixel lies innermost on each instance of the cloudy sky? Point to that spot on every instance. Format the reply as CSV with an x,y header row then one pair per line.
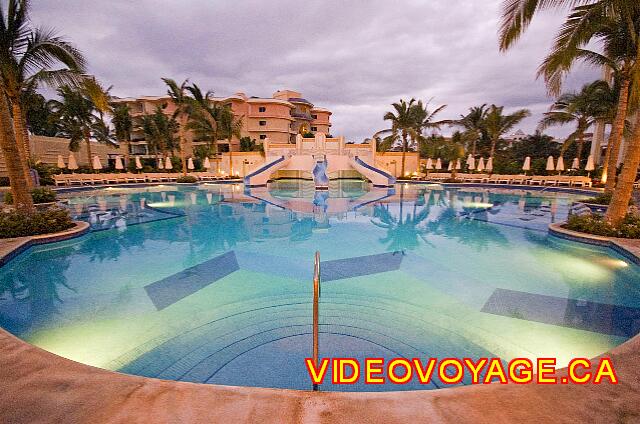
x,y
354,57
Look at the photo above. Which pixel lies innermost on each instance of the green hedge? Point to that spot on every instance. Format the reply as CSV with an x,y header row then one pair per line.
x,y
187,179
39,195
595,224
603,199
19,224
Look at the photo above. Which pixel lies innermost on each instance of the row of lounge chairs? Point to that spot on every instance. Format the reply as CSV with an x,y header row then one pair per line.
x,y
543,180
123,178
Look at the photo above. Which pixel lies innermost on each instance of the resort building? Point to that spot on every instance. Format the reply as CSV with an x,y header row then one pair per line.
x,y
279,118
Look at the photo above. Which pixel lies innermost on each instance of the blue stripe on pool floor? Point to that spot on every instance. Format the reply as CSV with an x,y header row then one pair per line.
x,y
604,318
166,292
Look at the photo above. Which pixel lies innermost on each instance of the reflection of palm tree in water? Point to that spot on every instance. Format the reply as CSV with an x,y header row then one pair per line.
x,y
37,287
403,232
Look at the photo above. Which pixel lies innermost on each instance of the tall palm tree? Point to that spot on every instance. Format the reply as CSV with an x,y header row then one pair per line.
x,y
619,54
80,112
496,124
208,118
184,107
585,25
230,127
403,123
15,165
160,131
593,103
27,56
472,124
425,120
123,125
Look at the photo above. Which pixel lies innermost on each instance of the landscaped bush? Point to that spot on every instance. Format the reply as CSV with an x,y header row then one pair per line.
x,y
39,195
19,224
186,179
602,199
595,224
308,134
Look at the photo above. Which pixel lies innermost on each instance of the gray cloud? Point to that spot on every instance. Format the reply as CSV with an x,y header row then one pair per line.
x,y
353,57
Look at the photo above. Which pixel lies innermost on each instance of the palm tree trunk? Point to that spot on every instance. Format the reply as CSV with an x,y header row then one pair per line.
x,y
493,147
580,147
89,155
615,138
13,160
22,144
127,155
404,153
183,157
624,188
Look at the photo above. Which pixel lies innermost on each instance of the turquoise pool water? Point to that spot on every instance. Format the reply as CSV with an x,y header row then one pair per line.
x,y
203,283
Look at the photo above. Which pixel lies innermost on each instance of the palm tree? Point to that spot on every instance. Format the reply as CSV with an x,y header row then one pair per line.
x,y
184,107
26,58
159,130
207,118
230,127
594,102
496,124
472,124
616,23
425,120
80,113
123,125
619,55
403,123
13,160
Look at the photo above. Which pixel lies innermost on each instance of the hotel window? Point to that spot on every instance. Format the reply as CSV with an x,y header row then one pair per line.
x,y
314,128
263,123
314,116
262,109
263,136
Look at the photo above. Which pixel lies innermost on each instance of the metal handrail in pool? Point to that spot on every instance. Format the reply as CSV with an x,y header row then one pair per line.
x,y
316,299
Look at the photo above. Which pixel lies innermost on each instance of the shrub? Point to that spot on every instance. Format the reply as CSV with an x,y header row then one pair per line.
x,y
39,195
595,224
19,224
308,134
602,199
186,179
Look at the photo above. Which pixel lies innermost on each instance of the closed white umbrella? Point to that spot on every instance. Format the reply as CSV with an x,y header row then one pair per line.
x,y
190,164
560,165
73,163
61,163
489,166
450,168
119,165
590,165
160,164
550,165
458,164
138,163
194,198
429,164
207,163
575,164
527,164
209,198
96,164
167,163
438,164
471,162
480,165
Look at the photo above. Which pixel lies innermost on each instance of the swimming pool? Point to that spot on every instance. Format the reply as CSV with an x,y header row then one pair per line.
x,y
200,283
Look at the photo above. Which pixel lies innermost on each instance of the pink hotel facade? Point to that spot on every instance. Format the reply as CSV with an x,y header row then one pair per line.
x,y
279,118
